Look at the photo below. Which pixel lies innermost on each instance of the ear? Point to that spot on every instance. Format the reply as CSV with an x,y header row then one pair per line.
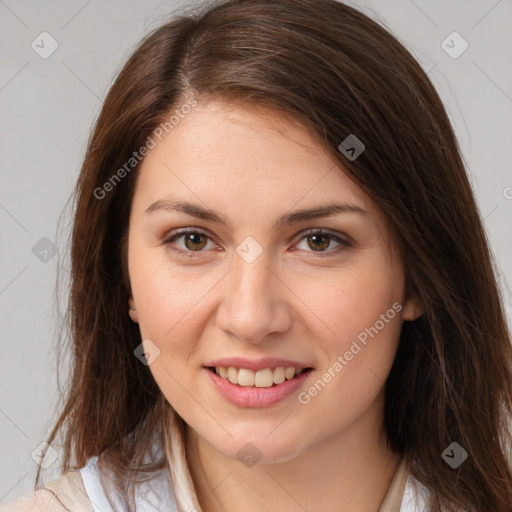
x,y
413,308
132,311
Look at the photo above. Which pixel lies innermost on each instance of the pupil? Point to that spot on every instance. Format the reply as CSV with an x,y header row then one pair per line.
x,y
194,239
316,238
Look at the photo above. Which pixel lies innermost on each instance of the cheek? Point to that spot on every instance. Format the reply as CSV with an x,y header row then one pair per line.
x,y
168,298
363,311
171,309
351,300
356,368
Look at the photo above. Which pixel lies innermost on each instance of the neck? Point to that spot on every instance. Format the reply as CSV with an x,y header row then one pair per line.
x,y
348,471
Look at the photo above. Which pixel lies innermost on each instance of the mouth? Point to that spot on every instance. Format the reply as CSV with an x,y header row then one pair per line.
x,y
263,378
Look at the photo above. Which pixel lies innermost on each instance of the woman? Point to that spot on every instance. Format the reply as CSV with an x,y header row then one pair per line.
x,y
283,296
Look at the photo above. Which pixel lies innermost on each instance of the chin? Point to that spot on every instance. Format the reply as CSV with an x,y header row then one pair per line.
x,y
259,448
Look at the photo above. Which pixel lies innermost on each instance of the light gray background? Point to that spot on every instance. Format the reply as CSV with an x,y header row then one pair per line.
x,y
47,109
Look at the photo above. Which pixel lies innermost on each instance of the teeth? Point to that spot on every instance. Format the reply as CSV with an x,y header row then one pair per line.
x,y
289,373
279,375
245,377
264,378
233,375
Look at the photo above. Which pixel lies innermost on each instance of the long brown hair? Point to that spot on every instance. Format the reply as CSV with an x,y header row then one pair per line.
x,y
338,73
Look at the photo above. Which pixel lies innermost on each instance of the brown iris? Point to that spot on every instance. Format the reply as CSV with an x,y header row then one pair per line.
x,y
193,241
320,241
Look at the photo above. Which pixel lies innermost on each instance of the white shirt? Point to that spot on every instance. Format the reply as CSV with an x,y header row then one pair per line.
x,y
150,496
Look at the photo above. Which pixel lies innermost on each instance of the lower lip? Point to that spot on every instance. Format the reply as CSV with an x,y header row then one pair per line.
x,y
252,397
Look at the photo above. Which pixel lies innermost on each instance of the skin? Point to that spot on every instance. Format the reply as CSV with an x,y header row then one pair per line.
x,y
293,301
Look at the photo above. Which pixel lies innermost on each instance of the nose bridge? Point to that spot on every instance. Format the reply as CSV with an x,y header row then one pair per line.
x,y
252,305
250,281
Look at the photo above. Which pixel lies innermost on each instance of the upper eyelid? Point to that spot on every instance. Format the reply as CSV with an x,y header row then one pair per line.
x,y
183,231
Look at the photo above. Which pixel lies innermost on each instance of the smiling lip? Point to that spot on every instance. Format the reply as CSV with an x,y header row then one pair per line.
x,y
267,362
253,397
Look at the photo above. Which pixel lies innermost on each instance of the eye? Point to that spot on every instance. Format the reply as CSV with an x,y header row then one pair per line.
x,y
194,240
319,241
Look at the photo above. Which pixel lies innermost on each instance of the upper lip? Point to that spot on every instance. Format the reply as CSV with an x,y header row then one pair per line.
x,y
260,364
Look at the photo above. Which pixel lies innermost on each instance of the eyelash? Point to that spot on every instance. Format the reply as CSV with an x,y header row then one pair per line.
x,y
316,231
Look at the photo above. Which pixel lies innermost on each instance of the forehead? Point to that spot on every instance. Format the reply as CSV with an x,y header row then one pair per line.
x,y
222,150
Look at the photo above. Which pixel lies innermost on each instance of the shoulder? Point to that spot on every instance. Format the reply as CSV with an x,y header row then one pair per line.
x,y
149,495
58,495
82,491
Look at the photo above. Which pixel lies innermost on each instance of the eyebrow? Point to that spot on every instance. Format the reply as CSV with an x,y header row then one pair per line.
x,y
294,217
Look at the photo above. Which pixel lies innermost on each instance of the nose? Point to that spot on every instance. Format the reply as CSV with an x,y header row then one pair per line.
x,y
254,301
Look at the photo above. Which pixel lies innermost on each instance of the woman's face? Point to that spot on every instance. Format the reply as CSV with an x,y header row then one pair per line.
x,y
254,283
